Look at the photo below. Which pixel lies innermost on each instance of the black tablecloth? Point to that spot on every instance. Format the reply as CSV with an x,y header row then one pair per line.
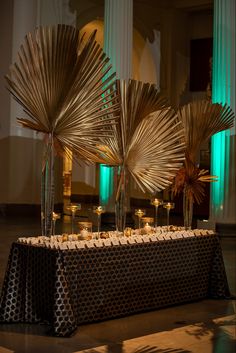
x,y
71,287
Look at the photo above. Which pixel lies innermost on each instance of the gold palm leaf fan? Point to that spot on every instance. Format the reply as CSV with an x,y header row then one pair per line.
x,y
64,86
137,100
156,151
201,119
148,141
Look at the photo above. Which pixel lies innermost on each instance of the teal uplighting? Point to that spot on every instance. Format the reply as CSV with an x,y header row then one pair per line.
x,y
220,148
218,154
106,183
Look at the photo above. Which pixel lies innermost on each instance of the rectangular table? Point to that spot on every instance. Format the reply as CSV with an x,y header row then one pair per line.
x,y
72,287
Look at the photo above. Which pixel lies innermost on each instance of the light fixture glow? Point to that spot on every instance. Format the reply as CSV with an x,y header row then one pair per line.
x,y
221,83
106,183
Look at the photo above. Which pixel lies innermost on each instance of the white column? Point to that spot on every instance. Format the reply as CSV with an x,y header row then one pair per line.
x,y
118,35
223,192
118,45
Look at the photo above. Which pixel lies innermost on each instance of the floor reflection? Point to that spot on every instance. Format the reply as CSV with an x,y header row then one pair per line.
x,y
216,336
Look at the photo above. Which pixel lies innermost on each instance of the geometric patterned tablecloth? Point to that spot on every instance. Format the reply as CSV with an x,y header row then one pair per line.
x,y
72,287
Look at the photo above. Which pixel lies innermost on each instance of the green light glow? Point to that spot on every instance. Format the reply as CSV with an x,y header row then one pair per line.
x,y
106,183
218,168
220,149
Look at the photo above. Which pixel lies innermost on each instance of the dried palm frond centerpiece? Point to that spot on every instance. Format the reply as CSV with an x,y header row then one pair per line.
x,y
201,119
148,143
64,86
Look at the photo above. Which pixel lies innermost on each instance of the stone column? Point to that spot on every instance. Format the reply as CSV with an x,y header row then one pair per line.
x,y
223,193
118,45
118,35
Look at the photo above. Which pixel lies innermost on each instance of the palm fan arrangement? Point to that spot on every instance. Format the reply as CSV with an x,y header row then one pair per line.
x,y
148,140
201,119
64,86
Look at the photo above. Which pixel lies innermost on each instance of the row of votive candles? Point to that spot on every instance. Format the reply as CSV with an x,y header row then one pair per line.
x,y
82,225
147,221
156,203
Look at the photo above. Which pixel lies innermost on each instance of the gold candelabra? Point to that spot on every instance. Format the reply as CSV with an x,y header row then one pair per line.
x,y
140,213
55,217
99,210
73,208
169,206
156,203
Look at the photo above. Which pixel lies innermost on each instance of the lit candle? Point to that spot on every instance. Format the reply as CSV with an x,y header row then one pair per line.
x,y
139,213
99,210
56,216
147,221
85,229
156,202
169,205
147,228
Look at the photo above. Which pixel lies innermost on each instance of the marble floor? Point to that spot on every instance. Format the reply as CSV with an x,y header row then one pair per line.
x,y
207,326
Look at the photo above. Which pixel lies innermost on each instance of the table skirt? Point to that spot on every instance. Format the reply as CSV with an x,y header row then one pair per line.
x,y
73,287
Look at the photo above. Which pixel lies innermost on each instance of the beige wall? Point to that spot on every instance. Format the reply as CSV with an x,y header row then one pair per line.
x,y
4,168
201,25
5,59
21,165
86,187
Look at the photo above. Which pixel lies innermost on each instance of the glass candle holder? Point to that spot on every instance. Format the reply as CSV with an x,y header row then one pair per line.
x,y
73,208
55,217
99,210
140,213
169,206
147,223
85,229
156,203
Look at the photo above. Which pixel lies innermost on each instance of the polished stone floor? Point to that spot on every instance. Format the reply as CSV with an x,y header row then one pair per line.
x,y
207,326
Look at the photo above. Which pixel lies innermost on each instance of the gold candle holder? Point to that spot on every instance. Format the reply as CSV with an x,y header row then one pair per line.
x,y
147,224
85,229
156,203
55,217
169,206
73,208
140,213
99,210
